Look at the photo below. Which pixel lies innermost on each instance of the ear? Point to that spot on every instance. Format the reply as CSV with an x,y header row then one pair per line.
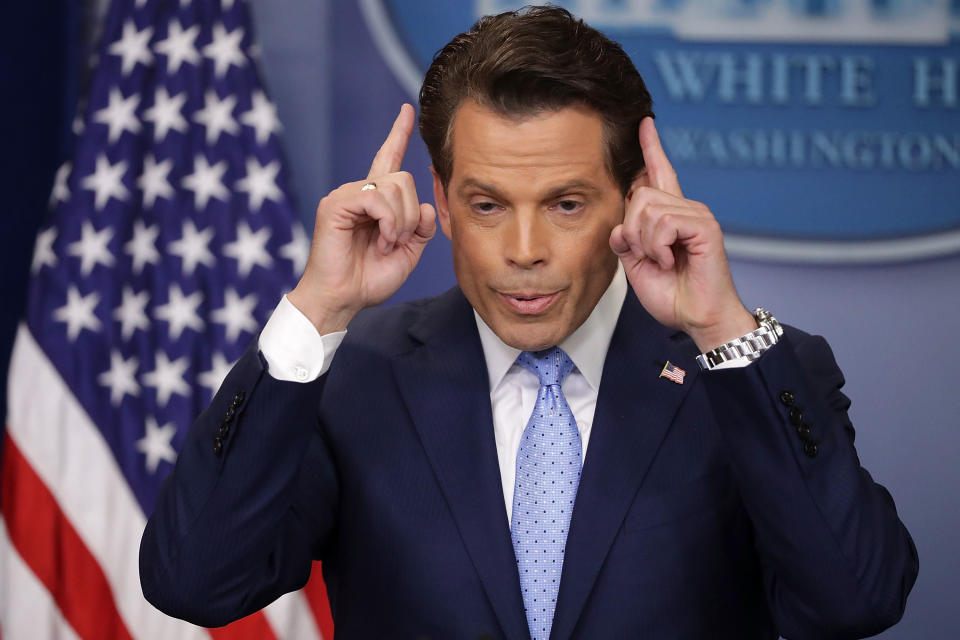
x,y
440,198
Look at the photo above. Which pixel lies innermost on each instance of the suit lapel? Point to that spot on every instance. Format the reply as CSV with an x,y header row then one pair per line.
x,y
635,408
444,384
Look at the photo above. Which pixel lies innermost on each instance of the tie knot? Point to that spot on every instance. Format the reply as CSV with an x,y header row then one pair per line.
x,y
550,365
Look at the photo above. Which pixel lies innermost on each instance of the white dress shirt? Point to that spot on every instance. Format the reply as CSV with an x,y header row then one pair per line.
x,y
513,389
296,352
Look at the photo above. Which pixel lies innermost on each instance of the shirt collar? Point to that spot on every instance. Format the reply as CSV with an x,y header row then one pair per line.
x,y
587,346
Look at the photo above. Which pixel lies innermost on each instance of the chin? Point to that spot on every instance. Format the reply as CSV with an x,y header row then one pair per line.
x,y
529,337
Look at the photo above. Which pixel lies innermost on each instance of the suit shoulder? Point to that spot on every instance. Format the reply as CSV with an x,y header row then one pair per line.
x,y
387,329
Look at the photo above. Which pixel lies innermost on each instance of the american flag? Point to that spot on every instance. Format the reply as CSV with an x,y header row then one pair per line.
x,y
673,372
170,239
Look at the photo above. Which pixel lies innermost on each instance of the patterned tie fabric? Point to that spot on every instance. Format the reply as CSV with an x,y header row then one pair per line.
x,y
548,474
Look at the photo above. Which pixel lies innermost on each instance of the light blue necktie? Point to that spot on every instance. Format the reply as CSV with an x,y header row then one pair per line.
x,y
548,473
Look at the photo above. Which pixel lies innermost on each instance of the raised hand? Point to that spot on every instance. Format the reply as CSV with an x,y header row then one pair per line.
x,y
672,251
365,241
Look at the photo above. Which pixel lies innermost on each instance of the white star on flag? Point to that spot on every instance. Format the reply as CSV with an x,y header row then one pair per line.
x,y
60,191
142,247
133,47
153,180
260,183
236,315
156,444
297,250
132,312
193,247
180,312
262,117
217,116
43,254
224,50
78,312
165,114
213,377
178,46
206,182
91,248
137,311
167,378
249,249
121,377
119,115
106,181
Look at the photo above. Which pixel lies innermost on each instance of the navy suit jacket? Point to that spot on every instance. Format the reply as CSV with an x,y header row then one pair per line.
x,y
701,513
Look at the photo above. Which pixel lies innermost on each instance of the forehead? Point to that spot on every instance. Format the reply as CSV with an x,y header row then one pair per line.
x,y
549,146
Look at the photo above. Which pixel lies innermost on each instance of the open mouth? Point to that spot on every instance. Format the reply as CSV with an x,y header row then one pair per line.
x,y
529,303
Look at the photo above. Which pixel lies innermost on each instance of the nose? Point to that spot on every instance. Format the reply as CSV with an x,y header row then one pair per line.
x,y
526,240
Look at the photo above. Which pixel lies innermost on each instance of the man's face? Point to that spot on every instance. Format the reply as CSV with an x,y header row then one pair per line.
x,y
529,210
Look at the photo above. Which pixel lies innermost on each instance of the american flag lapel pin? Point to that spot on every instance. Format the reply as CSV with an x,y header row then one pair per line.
x,y
673,372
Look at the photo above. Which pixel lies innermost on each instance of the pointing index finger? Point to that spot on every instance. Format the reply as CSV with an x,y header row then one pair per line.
x,y
660,172
390,156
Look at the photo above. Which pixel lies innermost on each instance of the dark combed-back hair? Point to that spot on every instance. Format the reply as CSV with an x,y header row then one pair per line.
x,y
525,62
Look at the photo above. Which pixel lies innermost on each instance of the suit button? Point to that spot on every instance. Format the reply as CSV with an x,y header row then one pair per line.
x,y
803,431
786,397
810,448
796,416
217,445
231,411
238,398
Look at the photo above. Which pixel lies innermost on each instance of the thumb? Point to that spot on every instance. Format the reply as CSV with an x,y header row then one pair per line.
x,y
427,226
620,246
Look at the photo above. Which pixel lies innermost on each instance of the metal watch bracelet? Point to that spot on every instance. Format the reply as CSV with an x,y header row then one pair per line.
x,y
746,348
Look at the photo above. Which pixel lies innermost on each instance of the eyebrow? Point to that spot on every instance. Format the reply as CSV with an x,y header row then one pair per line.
x,y
572,185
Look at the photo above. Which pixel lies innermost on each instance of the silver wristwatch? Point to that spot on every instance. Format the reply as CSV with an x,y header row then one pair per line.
x,y
745,348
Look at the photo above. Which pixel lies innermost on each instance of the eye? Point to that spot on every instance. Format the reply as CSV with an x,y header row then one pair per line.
x,y
484,207
568,206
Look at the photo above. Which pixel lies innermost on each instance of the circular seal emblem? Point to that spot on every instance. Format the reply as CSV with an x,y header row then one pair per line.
x,y
822,131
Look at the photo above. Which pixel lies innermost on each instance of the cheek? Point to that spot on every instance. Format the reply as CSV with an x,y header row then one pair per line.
x,y
590,251
473,254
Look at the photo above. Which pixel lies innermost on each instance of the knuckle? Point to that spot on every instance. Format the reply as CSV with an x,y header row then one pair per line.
x,y
666,221
631,234
648,214
329,201
389,189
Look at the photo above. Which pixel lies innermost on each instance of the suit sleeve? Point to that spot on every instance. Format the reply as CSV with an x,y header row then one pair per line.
x,y
228,535
838,562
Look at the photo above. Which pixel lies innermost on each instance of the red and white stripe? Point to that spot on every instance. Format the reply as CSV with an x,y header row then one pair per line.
x,y
71,527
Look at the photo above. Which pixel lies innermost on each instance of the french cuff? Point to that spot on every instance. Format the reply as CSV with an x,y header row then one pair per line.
x,y
292,347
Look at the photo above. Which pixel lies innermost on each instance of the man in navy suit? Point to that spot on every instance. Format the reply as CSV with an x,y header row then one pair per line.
x,y
726,502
